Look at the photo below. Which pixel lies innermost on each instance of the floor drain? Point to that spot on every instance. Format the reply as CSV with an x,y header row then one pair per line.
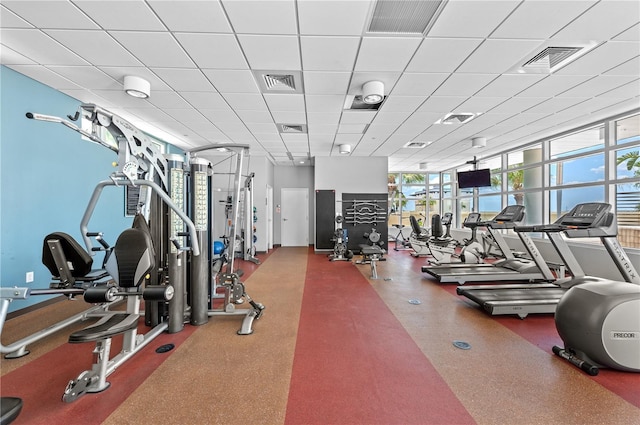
x,y
462,345
165,348
415,302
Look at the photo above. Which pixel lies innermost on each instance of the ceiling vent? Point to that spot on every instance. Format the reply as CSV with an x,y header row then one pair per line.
x,y
292,128
404,16
456,118
357,104
279,81
415,145
552,57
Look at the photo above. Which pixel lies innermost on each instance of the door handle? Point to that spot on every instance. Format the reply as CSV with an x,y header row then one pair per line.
x,y
284,219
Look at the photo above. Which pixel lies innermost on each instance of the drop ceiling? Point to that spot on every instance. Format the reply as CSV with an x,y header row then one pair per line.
x,y
205,61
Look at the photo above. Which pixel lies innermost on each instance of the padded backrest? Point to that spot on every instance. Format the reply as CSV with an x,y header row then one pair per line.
x,y
436,226
132,258
79,261
414,225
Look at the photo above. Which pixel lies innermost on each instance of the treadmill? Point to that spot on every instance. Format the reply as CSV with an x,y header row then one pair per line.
x,y
584,220
508,269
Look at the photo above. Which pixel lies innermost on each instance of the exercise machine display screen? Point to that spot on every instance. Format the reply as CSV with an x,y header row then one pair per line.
x,y
585,215
511,213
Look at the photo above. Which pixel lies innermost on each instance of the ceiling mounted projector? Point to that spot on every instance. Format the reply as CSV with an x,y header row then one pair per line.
x,y
137,87
373,92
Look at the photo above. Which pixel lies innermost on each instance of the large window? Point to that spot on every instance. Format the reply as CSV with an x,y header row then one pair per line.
x,y
577,143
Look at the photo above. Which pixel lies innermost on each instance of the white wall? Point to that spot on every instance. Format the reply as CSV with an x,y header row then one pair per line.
x,y
347,174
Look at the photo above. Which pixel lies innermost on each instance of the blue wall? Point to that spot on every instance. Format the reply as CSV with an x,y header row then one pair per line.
x,y
47,175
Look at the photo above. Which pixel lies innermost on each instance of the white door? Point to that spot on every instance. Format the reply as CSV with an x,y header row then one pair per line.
x,y
294,226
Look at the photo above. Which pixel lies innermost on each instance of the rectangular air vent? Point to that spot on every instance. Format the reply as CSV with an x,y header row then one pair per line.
x,y
456,118
404,16
292,128
415,145
551,57
279,81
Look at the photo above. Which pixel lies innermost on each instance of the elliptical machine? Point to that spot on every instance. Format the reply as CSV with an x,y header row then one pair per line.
x,y
599,320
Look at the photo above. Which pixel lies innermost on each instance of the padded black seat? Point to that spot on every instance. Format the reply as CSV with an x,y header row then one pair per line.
x,y
417,230
10,408
108,326
129,264
371,250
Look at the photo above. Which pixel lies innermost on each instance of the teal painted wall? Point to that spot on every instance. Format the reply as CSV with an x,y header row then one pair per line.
x,y
47,175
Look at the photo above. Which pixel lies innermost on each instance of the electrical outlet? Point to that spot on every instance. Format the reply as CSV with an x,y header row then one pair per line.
x,y
29,277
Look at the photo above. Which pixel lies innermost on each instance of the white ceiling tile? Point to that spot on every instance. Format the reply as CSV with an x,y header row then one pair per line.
x,y
442,54
220,115
271,52
86,96
262,16
205,100
323,118
45,76
631,67
392,118
329,53
269,140
497,56
9,19
126,15
326,82
598,85
40,13
245,101
192,16
622,92
516,104
11,57
552,85
347,138
386,53
418,84
184,79
555,104
327,129
263,128
357,116
323,103
321,17
589,26
39,47
540,19
88,76
632,34
168,99
481,104
184,115
471,18
442,104
285,102
508,85
289,117
258,117
84,43
228,81
215,51
154,49
351,128
402,103
602,58
460,84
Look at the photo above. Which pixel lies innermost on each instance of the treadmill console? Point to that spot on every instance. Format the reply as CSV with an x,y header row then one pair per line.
x,y
472,220
512,213
590,214
446,219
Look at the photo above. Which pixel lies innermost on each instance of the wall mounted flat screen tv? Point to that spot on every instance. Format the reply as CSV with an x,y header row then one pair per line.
x,y
475,178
